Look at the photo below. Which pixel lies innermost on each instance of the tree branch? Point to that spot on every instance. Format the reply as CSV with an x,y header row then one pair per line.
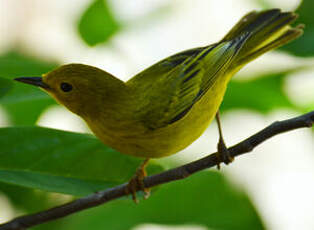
x,y
24,222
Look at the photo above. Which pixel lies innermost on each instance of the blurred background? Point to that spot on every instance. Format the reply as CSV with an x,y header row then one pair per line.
x,y
124,37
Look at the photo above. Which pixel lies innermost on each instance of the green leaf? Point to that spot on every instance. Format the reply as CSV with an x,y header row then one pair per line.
x,y
206,199
5,86
29,201
262,94
304,46
24,97
60,161
97,24
24,198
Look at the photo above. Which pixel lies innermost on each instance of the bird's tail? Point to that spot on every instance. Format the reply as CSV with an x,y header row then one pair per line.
x,y
268,30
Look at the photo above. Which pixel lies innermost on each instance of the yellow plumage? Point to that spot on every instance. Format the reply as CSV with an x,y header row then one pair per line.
x,y
166,107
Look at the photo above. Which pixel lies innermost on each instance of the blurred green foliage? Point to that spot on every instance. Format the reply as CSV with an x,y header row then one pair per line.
x,y
30,200
98,23
23,98
5,86
205,199
262,94
304,46
81,163
25,198
77,164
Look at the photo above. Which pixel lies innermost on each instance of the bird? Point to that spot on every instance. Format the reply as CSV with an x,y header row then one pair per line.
x,y
167,106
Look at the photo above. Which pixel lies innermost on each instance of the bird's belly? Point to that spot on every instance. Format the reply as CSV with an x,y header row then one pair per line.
x,y
174,137
179,135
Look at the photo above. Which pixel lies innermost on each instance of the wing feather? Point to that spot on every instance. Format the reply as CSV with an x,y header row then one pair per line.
x,y
185,78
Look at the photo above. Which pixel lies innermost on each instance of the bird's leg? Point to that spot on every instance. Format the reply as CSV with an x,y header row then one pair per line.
x,y
137,182
223,154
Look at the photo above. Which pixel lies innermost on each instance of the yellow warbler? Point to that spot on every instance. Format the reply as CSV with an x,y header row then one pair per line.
x,y
163,109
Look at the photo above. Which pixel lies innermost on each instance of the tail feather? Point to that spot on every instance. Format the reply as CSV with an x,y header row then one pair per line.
x,y
250,21
283,39
268,30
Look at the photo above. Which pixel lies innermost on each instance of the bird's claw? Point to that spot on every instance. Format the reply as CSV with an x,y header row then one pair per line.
x,y
136,183
223,153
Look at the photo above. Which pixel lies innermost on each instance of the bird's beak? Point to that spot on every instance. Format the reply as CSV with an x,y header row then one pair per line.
x,y
37,81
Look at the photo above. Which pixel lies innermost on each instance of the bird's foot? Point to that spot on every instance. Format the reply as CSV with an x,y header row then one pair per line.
x,y
223,153
136,183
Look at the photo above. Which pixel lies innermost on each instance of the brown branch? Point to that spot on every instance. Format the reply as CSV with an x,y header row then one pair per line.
x,y
178,173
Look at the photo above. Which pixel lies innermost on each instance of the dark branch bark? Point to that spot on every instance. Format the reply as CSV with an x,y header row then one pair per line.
x,y
178,173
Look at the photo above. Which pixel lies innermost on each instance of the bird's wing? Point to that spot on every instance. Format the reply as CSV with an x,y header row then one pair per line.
x,y
164,67
166,98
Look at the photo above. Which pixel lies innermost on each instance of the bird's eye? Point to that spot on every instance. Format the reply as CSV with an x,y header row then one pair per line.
x,y
66,87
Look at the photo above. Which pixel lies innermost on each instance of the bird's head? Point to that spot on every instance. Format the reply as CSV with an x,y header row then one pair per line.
x,y
81,88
